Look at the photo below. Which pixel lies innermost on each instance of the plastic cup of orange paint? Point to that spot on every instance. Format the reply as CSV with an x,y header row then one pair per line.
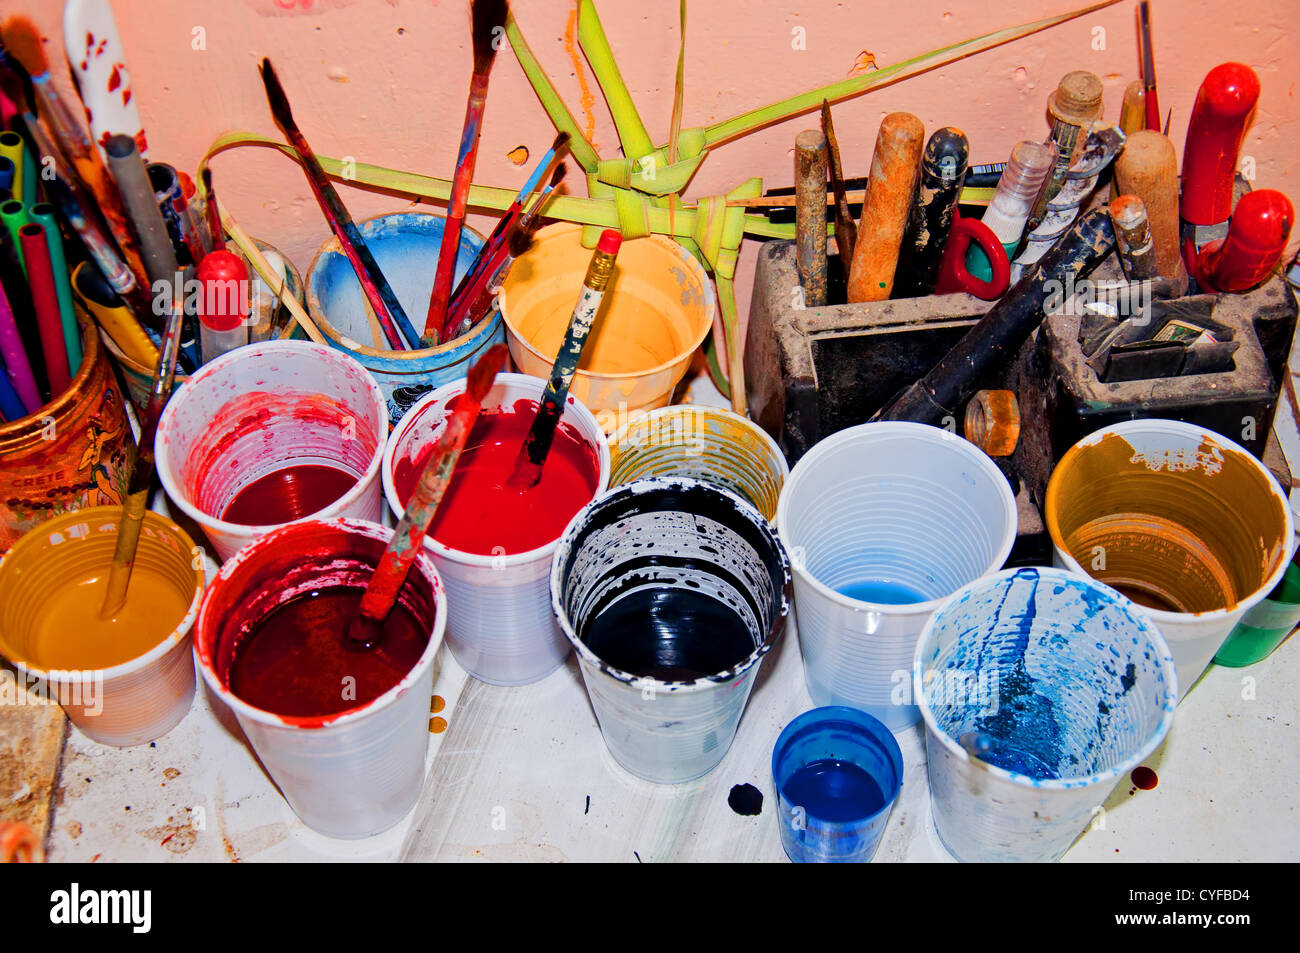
x,y
126,681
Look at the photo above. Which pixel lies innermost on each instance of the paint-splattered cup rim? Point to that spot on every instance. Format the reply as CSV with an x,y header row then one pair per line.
x,y
183,628
707,293
1135,614
446,392
203,656
332,246
931,435
659,485
643,420
1191,432
250,531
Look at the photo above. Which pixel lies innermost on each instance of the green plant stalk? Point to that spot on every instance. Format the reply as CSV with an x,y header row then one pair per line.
x,y
632,133
582,151
776,112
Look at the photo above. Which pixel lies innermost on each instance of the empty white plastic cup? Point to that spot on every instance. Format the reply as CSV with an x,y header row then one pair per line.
x,y
351,774
1178,518
500,626
1040,689
263,408
882,522
671,591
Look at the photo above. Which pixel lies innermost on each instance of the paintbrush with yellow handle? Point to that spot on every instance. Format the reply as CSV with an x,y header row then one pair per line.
x,y
137,493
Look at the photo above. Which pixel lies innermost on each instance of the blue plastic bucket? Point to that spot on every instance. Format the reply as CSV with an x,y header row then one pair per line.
x,y
405,245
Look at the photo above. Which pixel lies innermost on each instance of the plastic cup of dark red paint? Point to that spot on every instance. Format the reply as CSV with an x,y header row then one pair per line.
x,y
262,409
353,773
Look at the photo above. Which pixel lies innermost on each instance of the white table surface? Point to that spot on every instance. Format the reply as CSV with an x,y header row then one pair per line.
x,y
521,774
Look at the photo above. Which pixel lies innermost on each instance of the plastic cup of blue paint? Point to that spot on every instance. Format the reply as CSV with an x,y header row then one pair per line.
x,y
837,773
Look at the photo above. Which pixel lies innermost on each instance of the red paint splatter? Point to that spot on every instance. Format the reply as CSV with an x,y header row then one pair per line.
x,y
90,41
99,50
1144,778
126,95
115,77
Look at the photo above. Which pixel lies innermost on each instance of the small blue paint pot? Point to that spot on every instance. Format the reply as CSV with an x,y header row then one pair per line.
x,y
837,773
1040,690
406,246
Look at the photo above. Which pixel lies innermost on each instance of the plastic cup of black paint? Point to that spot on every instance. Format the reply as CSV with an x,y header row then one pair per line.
x,y
671,592
837,773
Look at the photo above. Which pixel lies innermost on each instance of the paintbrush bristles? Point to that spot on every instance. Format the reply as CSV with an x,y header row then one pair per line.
x,y
521,239
488,26
23,41
275,94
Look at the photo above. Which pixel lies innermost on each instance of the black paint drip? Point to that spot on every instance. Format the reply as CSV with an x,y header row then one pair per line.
x,y
746,800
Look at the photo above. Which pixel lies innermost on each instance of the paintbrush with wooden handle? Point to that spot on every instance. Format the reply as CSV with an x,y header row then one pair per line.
x,y
528,467
373,284
137,493
473,295
408,538
488,21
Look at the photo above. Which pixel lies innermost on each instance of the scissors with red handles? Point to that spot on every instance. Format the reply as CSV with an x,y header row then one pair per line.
x,y
953,273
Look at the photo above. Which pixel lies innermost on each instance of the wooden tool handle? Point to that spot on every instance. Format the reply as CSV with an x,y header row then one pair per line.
x,y
894,170
1148,168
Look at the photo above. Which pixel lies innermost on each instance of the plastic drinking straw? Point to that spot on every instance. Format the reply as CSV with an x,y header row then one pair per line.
x,y
7,171
11,148
15,357
14,215
45,300
43,214
11,408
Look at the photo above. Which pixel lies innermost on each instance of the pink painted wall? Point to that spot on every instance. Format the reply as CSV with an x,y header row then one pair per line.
x,y
385,81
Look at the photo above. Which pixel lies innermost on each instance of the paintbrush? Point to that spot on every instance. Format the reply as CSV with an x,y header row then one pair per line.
x,y
502,248
373,284
846,230
23,41
213,215
488,18
528,467
478,300
408,538
137,492
1148,66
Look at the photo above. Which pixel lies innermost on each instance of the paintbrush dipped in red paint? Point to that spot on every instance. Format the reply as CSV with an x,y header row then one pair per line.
x,y
488,21
532,456
473,297
395,564
377,291
141,479
490,255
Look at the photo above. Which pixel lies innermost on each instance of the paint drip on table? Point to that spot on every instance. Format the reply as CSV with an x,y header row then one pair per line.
x,y
480,513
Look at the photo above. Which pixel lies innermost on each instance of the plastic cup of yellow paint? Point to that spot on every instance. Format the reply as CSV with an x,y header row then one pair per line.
x,y
657,310
124,682
705,443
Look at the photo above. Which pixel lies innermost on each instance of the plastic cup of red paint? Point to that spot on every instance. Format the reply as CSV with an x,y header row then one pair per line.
x,y
282,431
355,772
500,627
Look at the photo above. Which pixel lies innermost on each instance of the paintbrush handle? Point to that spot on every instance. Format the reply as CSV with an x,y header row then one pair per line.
x,y
133,509
373,284
408,537
528,467
450,247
